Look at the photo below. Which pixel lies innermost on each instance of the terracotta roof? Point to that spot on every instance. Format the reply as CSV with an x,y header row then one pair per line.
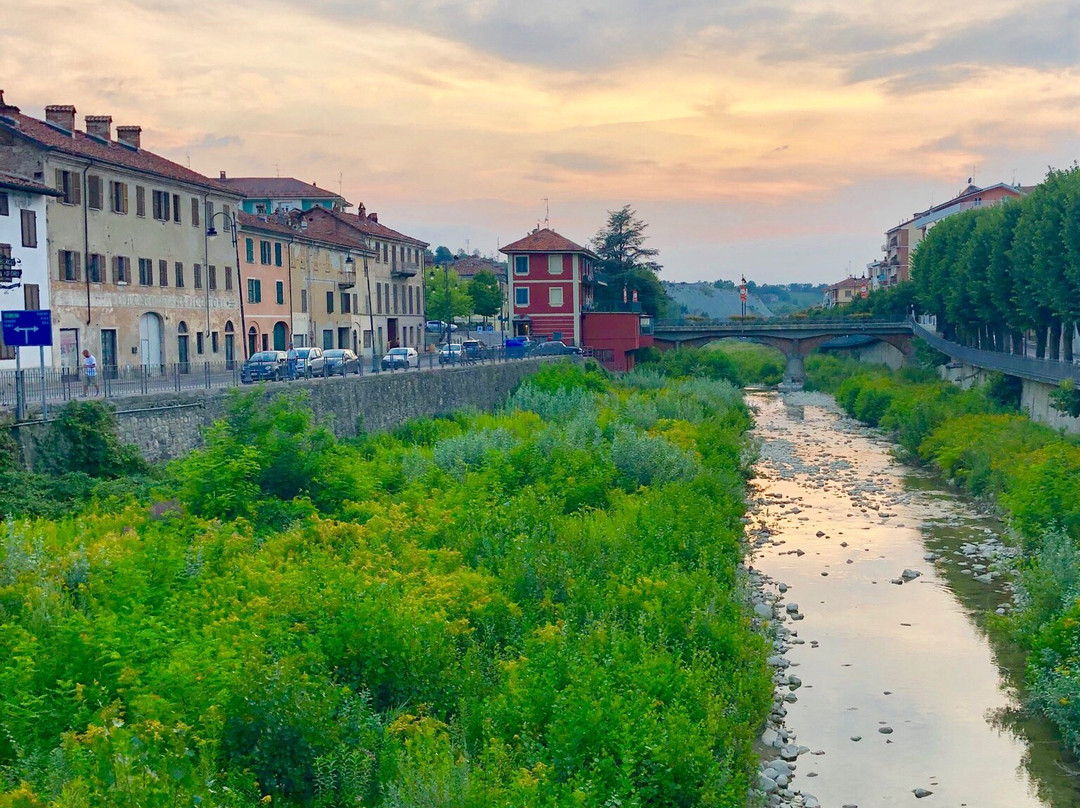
x,y
846,282
23,184
271,223
80,144
278,188
365,225
543,241
289,226
470,266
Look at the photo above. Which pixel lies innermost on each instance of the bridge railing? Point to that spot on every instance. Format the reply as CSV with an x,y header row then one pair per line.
x,y
776,324
1040,370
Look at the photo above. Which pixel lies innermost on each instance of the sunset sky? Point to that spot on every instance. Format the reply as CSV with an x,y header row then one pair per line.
x,y
779,140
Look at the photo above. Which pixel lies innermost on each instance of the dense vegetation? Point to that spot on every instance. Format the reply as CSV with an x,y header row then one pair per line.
x,y
978,439
741,363
539,607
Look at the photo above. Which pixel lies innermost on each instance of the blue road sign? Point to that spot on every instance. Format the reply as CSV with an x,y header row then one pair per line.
x,y
22,328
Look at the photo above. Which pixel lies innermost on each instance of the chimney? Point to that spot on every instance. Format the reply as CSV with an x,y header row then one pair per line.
x,y
99,126
129,135
362,212
5,107
222,176
374,217
62,115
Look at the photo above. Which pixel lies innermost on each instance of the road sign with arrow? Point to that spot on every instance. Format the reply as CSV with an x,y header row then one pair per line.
x,y
22,328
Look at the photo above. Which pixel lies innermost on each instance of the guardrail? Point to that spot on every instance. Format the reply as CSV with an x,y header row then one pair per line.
x,y
1040,370
36,387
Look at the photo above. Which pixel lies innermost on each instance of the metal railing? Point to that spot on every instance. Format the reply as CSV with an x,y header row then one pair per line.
x,y
1040,370
35,387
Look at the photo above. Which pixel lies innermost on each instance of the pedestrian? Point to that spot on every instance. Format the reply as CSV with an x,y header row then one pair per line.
x,y
89,364
291,357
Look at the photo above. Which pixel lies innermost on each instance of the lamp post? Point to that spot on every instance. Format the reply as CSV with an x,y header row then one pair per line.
x,y
370,311
230,221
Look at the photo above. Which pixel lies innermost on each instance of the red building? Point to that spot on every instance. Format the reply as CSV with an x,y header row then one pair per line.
x,y
551,283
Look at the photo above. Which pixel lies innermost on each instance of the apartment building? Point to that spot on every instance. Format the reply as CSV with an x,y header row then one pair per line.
x,y
265,246
133,275
269,195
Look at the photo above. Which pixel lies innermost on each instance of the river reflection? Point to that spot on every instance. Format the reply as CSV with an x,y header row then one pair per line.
x,y
914,658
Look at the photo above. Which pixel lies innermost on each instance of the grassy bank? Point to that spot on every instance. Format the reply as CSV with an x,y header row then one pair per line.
x,y
539,607
979,440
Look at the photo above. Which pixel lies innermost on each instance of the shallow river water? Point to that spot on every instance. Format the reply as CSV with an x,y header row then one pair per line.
x,y
909,657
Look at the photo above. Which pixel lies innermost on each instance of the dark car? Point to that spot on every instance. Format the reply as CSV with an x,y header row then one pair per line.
x,y
340,361
517,347
310,362
264,366
555,348
473,349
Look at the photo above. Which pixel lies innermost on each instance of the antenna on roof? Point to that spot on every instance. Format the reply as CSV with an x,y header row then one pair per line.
x,y
547,212
340,179
188,156
277,170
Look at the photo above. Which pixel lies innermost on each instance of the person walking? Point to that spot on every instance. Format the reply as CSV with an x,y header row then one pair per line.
x,y
291,357
90,373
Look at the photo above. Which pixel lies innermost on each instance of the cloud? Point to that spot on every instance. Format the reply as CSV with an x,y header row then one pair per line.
x,y
211,141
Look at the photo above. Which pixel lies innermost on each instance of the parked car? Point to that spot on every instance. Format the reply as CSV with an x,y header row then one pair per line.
x,y
473,349
264,366
340,361
554,348
450,354
401,358
517,347
438,326
310,362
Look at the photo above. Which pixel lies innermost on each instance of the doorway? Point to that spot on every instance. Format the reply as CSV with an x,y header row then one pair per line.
x,y
108,352
281,332
182,348
230,345
69,354
151,332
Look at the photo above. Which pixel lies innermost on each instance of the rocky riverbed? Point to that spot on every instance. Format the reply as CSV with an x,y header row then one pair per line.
x,y
887,688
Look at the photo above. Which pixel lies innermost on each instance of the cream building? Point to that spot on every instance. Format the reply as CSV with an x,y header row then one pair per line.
x,y
133,275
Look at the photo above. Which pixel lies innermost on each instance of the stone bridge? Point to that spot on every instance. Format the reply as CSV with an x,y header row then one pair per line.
x,y
794,338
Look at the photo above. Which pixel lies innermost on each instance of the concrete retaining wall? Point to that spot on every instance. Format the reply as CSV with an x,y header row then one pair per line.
x,y
1035,398
168,425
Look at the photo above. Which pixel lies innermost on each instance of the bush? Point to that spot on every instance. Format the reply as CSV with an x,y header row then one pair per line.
x,y
83,438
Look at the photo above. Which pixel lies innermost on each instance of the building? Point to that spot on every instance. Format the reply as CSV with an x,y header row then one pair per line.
x,y
266,195
902,239
23,249
389,271
845,291
468,267
551,283
133,274
266,245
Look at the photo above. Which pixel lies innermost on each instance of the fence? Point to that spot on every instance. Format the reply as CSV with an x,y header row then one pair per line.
x,y
1040,370
35,387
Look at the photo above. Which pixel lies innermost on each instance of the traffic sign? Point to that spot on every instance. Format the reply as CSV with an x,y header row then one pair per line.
x,y
22,328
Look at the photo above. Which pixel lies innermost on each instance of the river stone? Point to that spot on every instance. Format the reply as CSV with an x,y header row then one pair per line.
x,y
810,801
856,738
986,579
779,765
782,587
763,610
766,784
885,730
820,533
921,792
792,608
783,780
910,575
789,753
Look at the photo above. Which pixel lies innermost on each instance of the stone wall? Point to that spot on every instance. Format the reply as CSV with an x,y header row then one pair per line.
x,y
168,425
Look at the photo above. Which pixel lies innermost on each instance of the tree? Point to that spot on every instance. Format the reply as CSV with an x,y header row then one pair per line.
x,y
626,263
487,296
443,255
444,295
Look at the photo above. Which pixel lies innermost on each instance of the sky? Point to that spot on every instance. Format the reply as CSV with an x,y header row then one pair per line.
x,y
779,140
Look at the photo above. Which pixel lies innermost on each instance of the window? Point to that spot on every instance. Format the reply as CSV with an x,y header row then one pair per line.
x,y
214,341
521,296
249,250
195,218
196,273
410,300
264,252
163,273
378,297
280,291
29,228
95,268
31,297
211,277
69,265
355,308
69,186
384,248
179,275
118,193
395,299
345,303
199,342
555,265
378,255
146,272
303,300
121,269
228,279
3,203
521,265
254,290
161,206
209,207
93,192
277,253
225,210
329,302
140,201
555,297
176,211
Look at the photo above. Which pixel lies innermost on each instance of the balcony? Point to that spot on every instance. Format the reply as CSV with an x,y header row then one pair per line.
x,y
401,269
347,279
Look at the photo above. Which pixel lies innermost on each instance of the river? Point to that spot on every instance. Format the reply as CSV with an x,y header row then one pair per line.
x,y
901,688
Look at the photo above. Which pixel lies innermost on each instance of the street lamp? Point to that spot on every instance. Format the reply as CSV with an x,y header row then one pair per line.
x,y
230,221
370,311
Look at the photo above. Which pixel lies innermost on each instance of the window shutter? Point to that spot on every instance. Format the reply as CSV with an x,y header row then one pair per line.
x,y
76,189
60,265
78,265
60,180
124,194
116,269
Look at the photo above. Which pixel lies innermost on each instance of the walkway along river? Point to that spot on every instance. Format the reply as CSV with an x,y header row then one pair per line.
x,y
877,581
